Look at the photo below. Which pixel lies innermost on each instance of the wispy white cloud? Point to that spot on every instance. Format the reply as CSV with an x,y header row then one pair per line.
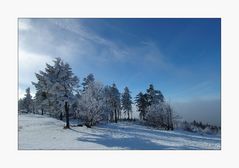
x,y
29,64
71,39
113,50
153,55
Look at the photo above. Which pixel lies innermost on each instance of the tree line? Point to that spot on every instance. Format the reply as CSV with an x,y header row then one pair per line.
x,y
58,94
199,127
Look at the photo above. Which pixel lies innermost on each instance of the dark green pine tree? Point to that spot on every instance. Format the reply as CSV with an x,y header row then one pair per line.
x,y
115,101
154,96
141,101
86,81
127,102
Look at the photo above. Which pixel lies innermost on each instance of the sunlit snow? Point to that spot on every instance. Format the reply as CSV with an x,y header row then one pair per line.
x,y
42,132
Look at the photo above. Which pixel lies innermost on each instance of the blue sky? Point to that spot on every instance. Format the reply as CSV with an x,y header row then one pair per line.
x,y
181,57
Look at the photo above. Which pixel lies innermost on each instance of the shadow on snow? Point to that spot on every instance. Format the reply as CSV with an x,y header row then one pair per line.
x,y
136,139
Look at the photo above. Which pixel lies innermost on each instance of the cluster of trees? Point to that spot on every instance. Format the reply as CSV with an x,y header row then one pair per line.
x,y
58,94
154,110
26,104
199,127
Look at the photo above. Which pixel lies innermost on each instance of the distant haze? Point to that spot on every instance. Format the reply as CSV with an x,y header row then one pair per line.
x,y
207,111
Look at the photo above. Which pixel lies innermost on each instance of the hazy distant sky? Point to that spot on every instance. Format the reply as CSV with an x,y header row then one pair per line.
x,y
181,57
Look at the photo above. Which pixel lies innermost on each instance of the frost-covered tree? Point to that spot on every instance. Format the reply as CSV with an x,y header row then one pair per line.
x,y
170,116
154,96
55,88
199,127
154,110
108,109
160,115
126,102
20,105
74,105
91,104
141,103
42,96
114,102
26,103
86,81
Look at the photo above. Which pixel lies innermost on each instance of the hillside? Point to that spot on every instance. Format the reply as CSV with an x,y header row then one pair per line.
x,y
42,132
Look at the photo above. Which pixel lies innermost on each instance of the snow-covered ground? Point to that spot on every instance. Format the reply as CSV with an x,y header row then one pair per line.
x,y
42,132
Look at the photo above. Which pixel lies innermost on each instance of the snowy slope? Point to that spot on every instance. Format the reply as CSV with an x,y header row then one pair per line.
x,y
42,132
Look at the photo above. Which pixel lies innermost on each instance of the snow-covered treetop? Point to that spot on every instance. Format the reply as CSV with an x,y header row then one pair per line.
x,y
86,81
154,96
57,80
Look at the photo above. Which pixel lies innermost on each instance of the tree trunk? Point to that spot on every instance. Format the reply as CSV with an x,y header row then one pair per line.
x,y
118,114
115,116
112,116
42,111
171,122
61,117
67,115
